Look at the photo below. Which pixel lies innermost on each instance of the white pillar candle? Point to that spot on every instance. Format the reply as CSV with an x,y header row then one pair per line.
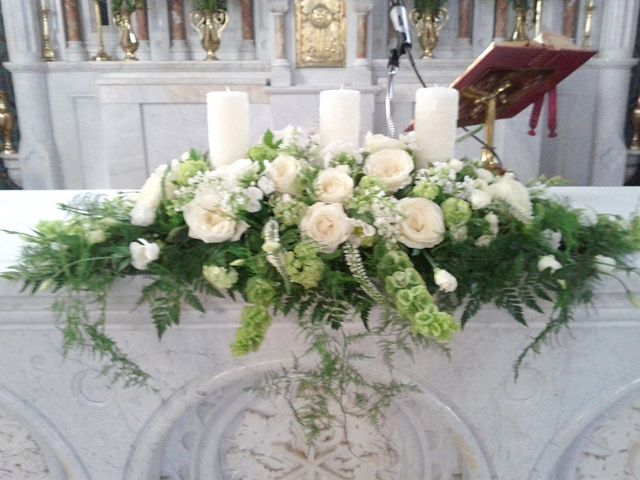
x,y
228,124
436,123
339,117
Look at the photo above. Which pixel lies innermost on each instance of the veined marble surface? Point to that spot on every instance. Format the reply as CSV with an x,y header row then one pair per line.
x,y
573,415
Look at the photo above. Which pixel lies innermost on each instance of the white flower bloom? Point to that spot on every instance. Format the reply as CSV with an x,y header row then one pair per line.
x,y
553,238
283,171
445,281
270,247
410,140
361,231
220,277
456,165
336,149
254,196
207,222
459,233
549,262
423,223
392,167
484,240
588,218
143,253
333,185
185,156
494,222
605,264
479,199
144,211
375,143
485,175
291,136
96,236
266,185
514,193
327,225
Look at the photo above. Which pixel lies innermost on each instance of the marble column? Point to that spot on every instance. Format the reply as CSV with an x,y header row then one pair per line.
x,y
39,160
248,47
159,30
360,70
179,46
617,37
142,31
280,66
500,23
465,21
570,18
75,48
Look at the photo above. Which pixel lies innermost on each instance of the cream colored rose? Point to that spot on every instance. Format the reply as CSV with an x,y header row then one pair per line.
x,y
392,167
423,224
445,281
375,143
513,192
327,225
143,253
334,185
283,172
144,211
207,222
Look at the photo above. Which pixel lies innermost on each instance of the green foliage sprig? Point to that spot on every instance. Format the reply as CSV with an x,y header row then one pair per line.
x,y
212,5
428,5
520,4
127,6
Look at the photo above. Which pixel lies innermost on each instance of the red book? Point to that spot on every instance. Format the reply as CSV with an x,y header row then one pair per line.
x,y
528,70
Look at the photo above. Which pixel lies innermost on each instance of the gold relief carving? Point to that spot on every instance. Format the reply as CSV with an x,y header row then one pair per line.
x,y
320,33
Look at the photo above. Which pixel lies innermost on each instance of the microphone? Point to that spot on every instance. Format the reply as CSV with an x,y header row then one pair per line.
x,y
400,21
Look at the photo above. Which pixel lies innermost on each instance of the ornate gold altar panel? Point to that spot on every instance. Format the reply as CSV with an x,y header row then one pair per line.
x,y
321,32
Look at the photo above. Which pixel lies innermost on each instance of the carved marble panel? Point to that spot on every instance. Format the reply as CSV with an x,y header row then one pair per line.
x,y
321,32
20,456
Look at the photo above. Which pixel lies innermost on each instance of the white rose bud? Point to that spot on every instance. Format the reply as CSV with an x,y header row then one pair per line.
x,y
333,185
445,281
605,264
392,167
423,224
210,224
327,225
456,165
144,211
143,253
549,262
375,143
514,193
283,172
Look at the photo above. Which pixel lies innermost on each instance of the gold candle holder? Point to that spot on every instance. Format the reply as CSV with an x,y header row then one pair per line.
x,y
7,122
102,55
48,54
635,122
588,24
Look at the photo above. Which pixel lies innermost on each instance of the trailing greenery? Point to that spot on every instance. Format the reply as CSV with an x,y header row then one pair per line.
x,y
520,4
428,5
356,256
212,5
127,6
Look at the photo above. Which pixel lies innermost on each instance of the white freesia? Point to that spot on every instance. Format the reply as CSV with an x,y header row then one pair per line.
x,y
209,223
335,151
549,262
456,165
588,218
334,185
392,167
283,171
493,221
143,253
514,193
479,199
362,232
254,196
553,238
484,174
327,225
445,281
96,236
605,264
266,185
143,213
423,223
410,140
375,143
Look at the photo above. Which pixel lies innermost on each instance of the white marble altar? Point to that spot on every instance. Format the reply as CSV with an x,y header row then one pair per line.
x,y
573,415
87,125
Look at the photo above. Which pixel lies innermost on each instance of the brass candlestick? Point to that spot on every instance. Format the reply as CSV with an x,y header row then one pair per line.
x,y
520,31
48,55
588,24
428,24
7,122
209,24
102,55
128,40
635,121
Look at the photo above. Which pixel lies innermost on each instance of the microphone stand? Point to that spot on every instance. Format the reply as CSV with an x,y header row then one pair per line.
x,y
393,65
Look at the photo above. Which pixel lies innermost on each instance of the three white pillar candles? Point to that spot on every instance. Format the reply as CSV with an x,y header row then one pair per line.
x,y
339,117
228,125
436,123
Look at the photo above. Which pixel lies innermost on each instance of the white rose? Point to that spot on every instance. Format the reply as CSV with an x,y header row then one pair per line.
x,y
456,165
484,174
375,143
549,262
144,211
423,224
445,281
210,224
392,167
514,193
605,264
479,199
327,225
143,253
283,171
333,185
